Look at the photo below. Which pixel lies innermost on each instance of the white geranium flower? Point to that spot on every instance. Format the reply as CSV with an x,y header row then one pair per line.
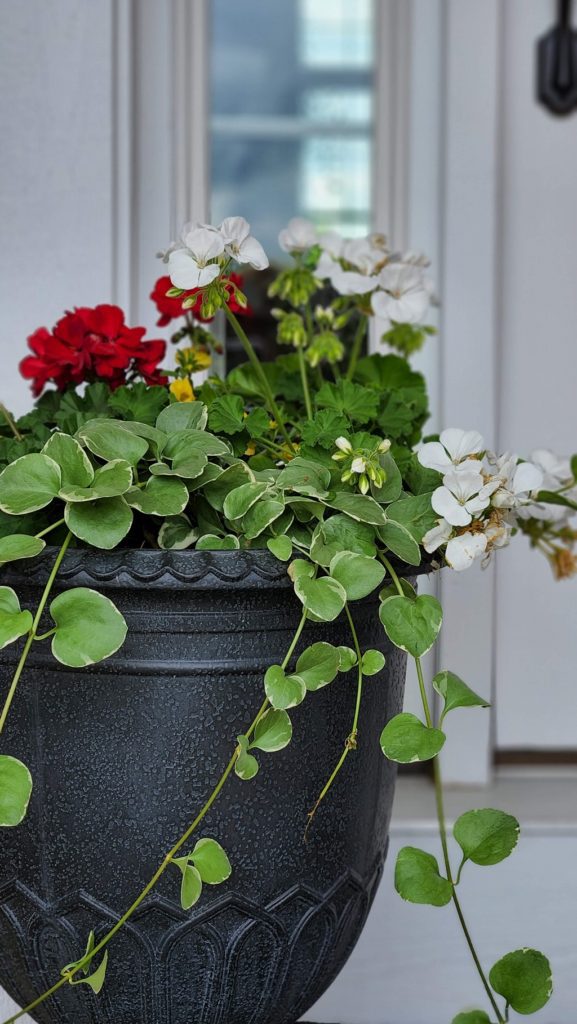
x,y
190,264
437,535
514,481
463,494
332,243
403,296
557,475
454,447
240,244
364,254
463,550
298,236
351,282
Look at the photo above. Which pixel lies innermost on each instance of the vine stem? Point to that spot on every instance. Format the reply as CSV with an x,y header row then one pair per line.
x,y
48,529
256,364
440,807
351,740
356,348
305,383
81,964
33,629
10,422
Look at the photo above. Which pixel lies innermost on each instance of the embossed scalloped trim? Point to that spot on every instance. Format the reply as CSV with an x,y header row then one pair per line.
x,y
150,568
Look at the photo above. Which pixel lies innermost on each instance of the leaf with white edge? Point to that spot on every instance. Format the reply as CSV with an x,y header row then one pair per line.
x,y
229,480
211,861
348,658
185,442
260,516
359,575
372,662
75,466
305,477
160,497
191,885
472,1017
182,416
102,523
110,481
318,665
300,567
415,513
486,836
360,507
246,766
399,541
283,691
89,627
406,739
456,693
20,545
14,623
29,484
280,547
15,790
412,625
109,440
524,979
390,590
325,598
418,880
210,542
237,502
177,533
273,731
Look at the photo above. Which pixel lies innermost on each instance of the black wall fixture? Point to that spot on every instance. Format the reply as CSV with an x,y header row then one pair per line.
x,y
557,64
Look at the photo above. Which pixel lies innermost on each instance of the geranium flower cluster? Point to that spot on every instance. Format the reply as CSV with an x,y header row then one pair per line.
x,y
91,344
396,284
485,497
199,256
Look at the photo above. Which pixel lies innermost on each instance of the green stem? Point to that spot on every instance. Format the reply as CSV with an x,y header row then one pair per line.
x,y
9,420
49,529
32,633
257,366
357,345
440,806
351,740
305,383
81,964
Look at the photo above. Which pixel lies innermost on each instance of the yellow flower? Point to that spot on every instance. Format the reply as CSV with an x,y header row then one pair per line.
x,y
250,448
182,390
192,359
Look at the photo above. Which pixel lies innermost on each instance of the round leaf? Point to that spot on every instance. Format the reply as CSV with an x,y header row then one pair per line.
x,y
160,497
110,440
456,693
191,887
211,861
486,836
412,625
358,574
347,658
75,466
245,766
318,665
372,662
273,731
280,547
89,627
15,790
20,545
102,523
210,542
472,1017
406,739
524,979
261,515
237,502
283,691
28,484
13,622
182,416
417,878
177,533
109,481
324,597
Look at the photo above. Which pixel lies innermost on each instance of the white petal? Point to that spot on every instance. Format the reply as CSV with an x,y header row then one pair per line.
x,y
464,483
205,243
358,465
437,535
299,234
208,274
234,229
252,252
527,477
461,443
183,270
432,455
462,551
409,308
348,282
446,504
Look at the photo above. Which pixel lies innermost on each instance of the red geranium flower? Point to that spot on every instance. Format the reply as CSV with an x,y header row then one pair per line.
x,y
170,307
92,344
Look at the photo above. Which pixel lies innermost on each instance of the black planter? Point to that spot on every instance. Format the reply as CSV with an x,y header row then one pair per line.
x,y
124,754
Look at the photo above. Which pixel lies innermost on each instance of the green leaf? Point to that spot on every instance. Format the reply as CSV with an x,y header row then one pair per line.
x,y
211,861
372,662
283,691
89,627
184,442
300,567
393,484
15,790
359,575
273,731
472,1017
182,416
280,547
260,516
102,523
341,533
324,428
94,980
245,766
524,979
110,440
229,480
360,507
187,465
554,498
28,484
75,466
486,836
139,402
20,545
318,665
257,423
406,739
176,533
348,659
238,501
348,399
305,477
415,513
417,878
412,625
110,481
160,497
456,693
191,885
399,541
14,623
324,597
210,542
226,414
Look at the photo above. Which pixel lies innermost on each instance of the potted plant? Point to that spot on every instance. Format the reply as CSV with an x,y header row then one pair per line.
x,y
196,578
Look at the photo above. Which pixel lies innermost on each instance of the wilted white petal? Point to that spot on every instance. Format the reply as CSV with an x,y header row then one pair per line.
x,y
463,550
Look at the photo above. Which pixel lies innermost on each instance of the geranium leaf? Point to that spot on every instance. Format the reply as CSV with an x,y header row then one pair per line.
x,y
160,497
358,574
211,861
283,691
524,979
89,627
318,665
102,523
75,466
15,790
486,836
226,414
456,693
418,880
325,598
412,625
20,545
28,484
273,731
406,739
14,623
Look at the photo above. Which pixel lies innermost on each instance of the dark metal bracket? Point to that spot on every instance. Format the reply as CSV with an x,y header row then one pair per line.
x,y
557,64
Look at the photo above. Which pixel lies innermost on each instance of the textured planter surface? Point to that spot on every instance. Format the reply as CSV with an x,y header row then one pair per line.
x,y
124,754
